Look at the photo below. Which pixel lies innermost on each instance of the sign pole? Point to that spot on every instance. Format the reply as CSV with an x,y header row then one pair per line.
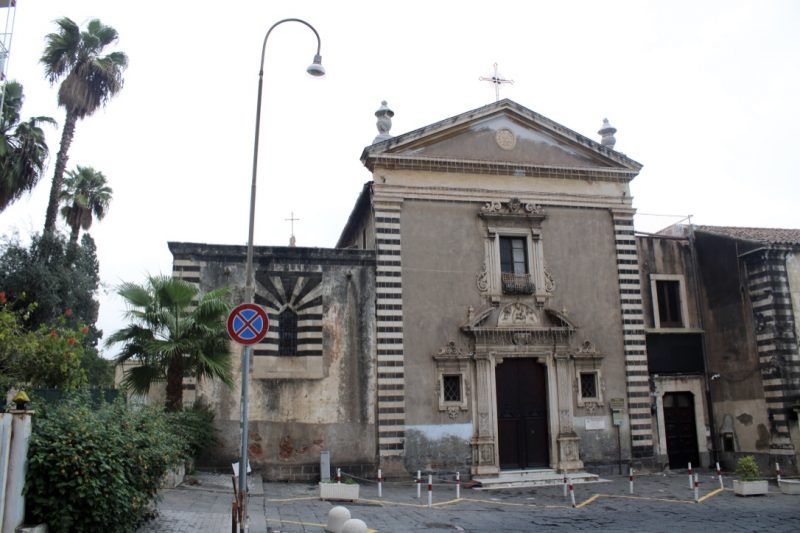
x,y
248,323
243,456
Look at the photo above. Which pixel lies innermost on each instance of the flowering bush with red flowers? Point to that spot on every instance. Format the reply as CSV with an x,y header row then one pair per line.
x,y
48,357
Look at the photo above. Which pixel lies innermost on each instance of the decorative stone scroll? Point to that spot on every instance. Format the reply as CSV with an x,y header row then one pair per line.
x,y
483,279
513,206
450,349
549,282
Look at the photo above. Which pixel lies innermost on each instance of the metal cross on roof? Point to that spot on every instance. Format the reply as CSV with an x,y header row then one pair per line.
x,y
292,220
497,81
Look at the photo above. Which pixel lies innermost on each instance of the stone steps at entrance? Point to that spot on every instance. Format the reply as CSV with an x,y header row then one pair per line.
x,y
510,479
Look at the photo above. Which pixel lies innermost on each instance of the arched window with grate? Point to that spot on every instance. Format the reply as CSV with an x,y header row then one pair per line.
x,y
287,332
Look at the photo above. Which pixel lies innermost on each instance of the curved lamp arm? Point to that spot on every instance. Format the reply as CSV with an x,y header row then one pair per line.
x,y
315,69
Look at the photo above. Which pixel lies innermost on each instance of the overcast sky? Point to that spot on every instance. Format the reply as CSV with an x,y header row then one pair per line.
x,y
706,95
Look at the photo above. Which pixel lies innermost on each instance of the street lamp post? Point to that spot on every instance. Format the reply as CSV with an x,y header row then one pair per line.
x,y
315,69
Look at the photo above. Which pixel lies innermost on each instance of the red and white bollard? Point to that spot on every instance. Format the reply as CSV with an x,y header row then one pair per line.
x,y
338,475
430,490
691,478
571,494
380,484
566,483
719,476
458,485
778,472
630,480
419,484
696,488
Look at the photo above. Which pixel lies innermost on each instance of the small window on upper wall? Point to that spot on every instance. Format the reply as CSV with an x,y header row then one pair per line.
x,y
668,295
287,332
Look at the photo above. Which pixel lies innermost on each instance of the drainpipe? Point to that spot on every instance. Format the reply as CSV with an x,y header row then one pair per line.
x,y
706,380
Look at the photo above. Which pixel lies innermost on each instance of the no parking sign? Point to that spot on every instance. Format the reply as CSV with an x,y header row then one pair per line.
x,y
248,324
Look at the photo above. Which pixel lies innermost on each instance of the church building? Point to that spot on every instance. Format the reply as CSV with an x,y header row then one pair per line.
x,y
482,311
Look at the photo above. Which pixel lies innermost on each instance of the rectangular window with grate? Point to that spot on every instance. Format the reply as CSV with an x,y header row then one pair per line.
x,y
287,332
588,385
451,387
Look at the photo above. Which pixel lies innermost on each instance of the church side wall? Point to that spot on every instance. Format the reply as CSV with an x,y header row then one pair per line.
x,y
322,400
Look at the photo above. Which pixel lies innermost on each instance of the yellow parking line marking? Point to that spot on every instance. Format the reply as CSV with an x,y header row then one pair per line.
x,y
516,504
587,502
624,497
709,495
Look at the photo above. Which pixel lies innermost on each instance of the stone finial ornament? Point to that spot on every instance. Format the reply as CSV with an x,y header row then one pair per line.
x,y
607,134
384,123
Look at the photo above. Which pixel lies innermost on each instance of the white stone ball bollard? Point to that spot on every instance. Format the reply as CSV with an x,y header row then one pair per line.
x,y
337,517
354,525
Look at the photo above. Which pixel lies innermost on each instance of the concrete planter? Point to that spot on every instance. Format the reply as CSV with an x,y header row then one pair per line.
x,y
338,491
750,488
173,477
790,486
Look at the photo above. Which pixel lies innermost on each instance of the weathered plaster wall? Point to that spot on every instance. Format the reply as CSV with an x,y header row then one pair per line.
x,y
793,278
738,394
327,401
579,251
668,256
442,254
438,447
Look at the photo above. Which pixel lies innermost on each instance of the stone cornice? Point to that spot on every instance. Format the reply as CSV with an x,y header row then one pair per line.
x,y
407,162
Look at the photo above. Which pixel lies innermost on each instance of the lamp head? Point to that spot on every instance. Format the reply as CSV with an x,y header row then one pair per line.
x,y
316,69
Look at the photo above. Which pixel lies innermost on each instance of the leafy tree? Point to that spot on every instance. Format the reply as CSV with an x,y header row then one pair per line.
x,y
53,275
172,334
23,150
90,79
85,196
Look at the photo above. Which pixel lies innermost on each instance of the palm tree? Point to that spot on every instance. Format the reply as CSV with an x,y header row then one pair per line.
x,y
84,196
23,150
90,80
172,334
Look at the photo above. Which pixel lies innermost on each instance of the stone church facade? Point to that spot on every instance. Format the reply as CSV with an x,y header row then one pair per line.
x,y
489,308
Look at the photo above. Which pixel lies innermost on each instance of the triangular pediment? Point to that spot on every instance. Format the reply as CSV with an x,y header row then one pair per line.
x,y
503,133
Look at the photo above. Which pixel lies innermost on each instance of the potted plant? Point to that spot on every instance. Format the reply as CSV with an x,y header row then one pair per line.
x,y
749,482
347,491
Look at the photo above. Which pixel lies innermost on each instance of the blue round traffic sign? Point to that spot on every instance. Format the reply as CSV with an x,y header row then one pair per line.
x,y
248,323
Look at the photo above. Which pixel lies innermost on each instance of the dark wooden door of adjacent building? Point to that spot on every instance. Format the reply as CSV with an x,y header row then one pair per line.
x,y
680,429
522,414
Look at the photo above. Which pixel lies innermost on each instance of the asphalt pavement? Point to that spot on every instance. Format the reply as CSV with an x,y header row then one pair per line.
x,y
661,502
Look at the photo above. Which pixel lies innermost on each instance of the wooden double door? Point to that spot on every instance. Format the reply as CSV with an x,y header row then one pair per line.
x,y
523,440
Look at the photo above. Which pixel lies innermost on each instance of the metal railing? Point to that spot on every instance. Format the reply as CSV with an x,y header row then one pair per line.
x,y
517,283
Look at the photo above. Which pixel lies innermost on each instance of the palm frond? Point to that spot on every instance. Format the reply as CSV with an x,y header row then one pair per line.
x,y
140,378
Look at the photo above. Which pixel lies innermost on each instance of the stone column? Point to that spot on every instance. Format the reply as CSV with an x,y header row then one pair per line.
x,y
568,441
484,452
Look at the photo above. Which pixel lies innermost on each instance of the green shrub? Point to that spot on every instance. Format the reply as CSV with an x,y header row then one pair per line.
x,y
97,468
747,469
195,428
